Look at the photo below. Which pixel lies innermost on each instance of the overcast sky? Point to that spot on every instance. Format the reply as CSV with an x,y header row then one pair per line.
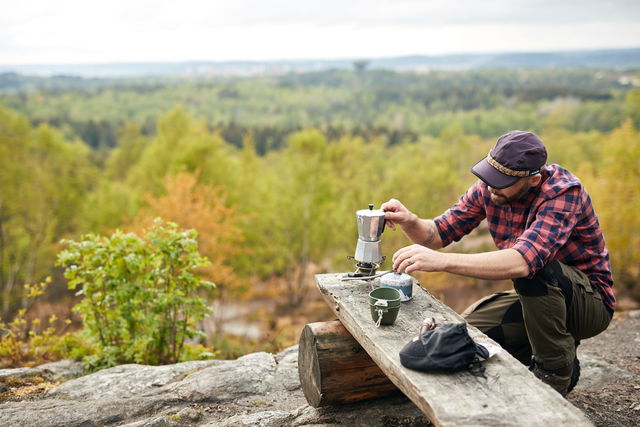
x,y
87,31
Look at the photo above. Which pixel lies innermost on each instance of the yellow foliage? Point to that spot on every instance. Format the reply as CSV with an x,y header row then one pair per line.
x,y
36,289
26,343
616,195
201,207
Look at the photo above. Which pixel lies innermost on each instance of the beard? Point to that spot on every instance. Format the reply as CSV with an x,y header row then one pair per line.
x,y
501,199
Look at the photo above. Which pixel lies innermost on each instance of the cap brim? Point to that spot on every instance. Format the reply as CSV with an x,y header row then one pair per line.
x,y
491,176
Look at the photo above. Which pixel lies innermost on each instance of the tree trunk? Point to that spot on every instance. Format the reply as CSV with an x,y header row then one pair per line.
x,y
334,369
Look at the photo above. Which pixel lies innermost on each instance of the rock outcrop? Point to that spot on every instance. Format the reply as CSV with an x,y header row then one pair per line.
x,y
258,389
63,369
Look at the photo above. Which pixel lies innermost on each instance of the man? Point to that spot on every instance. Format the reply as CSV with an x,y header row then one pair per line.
x,y
549,243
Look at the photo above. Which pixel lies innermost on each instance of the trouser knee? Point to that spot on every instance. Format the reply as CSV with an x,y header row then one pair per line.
x,y
538,285
546,299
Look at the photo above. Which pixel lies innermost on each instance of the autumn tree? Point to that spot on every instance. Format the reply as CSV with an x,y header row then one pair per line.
x,y
204,208
616,195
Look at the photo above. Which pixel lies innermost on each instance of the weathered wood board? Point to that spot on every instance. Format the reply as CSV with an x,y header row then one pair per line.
x,y
509,396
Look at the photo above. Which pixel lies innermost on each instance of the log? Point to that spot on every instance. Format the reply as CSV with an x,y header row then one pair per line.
x,y
334,369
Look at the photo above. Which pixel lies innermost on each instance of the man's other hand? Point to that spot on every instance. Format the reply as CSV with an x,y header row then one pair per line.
x,y
418,258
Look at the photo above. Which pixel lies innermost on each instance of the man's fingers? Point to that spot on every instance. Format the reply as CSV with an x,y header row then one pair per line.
x,y
392,204
407,265
405,252
409,258
399,253
411,268
398,260
402,258
392,216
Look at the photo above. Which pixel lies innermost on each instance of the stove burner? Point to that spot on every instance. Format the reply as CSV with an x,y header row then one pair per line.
x,y
364,269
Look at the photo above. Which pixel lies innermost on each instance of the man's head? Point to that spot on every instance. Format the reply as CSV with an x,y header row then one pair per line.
x,y
515,155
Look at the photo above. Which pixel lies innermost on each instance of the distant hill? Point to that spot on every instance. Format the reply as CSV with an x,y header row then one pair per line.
x,y
622,59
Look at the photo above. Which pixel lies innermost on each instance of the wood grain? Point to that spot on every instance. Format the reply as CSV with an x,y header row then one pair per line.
x,y
334,369
510,395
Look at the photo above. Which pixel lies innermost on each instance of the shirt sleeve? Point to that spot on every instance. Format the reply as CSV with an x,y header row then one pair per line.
x,y
554,222
462,217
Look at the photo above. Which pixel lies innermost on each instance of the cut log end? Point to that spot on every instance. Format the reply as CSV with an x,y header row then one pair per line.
x,y
334,369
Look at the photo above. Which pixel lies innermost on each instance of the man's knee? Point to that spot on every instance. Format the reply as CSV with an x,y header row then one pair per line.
x,y
482,302
490,313
538,286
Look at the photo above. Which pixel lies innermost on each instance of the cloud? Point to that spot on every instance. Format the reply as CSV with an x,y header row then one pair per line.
x,y
41,31
411,13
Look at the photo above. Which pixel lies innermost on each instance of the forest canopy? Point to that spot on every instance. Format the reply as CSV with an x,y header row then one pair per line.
x,y
394,106
270,170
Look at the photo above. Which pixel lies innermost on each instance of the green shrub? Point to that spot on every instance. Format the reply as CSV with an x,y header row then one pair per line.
x,y
26,342
140,294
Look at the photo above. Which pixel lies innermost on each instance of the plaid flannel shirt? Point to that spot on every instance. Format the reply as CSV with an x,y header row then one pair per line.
x,y
553,221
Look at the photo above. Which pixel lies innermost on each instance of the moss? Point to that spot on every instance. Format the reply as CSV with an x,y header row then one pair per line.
x,y
26,388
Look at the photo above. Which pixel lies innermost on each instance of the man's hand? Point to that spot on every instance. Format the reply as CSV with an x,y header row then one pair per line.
x,y
417,257
396,213
421,231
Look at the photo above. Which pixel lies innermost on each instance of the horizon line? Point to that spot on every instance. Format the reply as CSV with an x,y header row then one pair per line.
x,y
326,59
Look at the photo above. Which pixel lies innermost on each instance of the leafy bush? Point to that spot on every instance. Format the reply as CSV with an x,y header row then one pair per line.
x,y
140,294
27,343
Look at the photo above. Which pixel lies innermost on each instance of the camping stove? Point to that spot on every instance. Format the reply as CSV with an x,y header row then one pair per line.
x,y
368,256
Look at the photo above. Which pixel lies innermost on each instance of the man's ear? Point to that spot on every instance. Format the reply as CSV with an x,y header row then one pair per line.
x,y
534,180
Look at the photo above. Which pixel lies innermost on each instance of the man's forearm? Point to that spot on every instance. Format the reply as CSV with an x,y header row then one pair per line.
x,y
423,232
496,265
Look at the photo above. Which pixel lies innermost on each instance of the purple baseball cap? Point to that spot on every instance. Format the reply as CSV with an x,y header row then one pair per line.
x,y
517,154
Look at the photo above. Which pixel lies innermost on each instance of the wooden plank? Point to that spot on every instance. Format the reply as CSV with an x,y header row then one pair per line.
x,y
509,396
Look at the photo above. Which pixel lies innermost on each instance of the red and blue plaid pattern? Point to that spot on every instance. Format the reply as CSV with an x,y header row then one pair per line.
x,y
554,221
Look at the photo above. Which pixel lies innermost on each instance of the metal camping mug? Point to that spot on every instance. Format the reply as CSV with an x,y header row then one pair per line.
x,y
401,282
385,305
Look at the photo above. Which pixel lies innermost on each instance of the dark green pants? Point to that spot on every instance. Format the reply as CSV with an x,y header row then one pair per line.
x,y
545,316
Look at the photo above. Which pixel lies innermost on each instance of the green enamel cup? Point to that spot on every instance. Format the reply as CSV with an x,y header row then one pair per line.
x,y
384,302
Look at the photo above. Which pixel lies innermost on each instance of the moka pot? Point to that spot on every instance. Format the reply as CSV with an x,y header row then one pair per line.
x,y
371,224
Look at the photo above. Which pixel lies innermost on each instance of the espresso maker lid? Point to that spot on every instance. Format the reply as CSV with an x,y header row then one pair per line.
x,y
370,212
